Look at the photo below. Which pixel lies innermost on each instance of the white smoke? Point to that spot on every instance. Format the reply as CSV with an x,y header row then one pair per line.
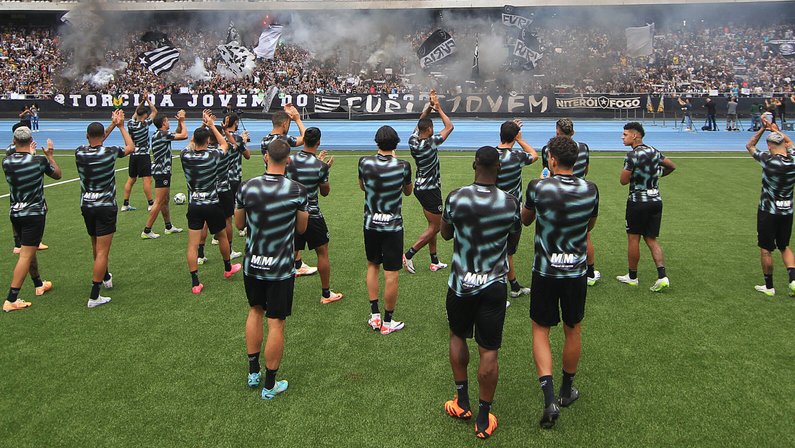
x,y
197,72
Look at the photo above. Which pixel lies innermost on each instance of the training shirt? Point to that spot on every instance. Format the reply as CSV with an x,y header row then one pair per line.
x,y
564,205
384,178
482,216
201,173
271,202
96,167
290,140
509,179
644,162
225,163
426,156
161,153
309,171
25,176
778,178
236,164
580,166
139,132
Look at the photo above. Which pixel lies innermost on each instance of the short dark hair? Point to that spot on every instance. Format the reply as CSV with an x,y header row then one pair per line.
x,y
231,119
564,150
566,126
141,110
278,151
279,118
508,131
635,126
201,136
487,156
311,137
220,129
158,121
424,124
386,138
95,130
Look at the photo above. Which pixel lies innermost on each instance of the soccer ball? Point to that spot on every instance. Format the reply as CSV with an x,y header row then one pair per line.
x,y
179,198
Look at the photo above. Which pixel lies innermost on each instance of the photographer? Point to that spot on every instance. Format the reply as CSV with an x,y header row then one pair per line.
x,y
711,125
686,109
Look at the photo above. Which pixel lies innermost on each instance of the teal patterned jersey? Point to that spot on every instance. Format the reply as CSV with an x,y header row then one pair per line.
x,y
309,171
644,162
384,178
509,179
25,176
201,173
139,132
778,178
96,167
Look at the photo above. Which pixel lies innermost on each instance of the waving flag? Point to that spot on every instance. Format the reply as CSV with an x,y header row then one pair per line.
x,y
159,60
268,41
438,46
239,60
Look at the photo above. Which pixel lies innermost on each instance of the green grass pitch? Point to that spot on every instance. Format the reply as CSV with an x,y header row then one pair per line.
x,y
707,363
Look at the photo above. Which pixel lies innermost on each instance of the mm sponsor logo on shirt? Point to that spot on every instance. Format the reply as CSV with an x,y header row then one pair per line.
x,y
562,260
382,218
784,205
421,180
262,262
19,206
198,195
474,279
91,196
652,192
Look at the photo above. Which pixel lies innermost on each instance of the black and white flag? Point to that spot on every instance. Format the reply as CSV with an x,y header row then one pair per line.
x,y
267,101
239,60
268,41
231,34
786,47
511,19
326,104
435,48
475,63
526,49
159,60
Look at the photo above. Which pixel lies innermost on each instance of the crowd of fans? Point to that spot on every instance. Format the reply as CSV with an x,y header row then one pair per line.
x,y
728,59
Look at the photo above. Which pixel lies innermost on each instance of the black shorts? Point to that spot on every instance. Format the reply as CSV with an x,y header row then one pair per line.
x,y
29,229
484,312
210,214
140,166
431,200
552,297
100,221
384,248
162,180
274,296
235,186
644,218
773,230
513,241
227,201
316,234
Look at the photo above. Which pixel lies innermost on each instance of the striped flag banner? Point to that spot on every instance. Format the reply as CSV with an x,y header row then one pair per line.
x,y
159,60
325,104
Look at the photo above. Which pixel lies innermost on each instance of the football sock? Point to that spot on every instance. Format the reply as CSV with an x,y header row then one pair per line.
x,y
633,274
434,259
194,278
126,202
791,274
13,293
410,253
107,276
151,202
299,263
95,290
548,388
270,378
515,286
201,250
326,292
374,306
227,265
388,315
37,281
147,229
565,387
769,281
462,392
168,225
253,362
590,271
483,414
660,271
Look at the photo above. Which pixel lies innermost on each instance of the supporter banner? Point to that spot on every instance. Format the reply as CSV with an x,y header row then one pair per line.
x,y
437,47
412,104
511,19
622,102
179,101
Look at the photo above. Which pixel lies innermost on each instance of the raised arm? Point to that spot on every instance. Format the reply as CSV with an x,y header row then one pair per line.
x,y
118,121
448,125
246,152
751,145
208,119
296,117
182,131
48,152
526,146
152,108
110,127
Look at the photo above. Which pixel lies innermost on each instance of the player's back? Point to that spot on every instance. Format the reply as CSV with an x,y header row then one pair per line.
x,y
383,178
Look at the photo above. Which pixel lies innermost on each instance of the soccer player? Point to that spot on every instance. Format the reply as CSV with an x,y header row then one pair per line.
x,y
17,243
383,178
161,171
509,180
140,162
312,171
96,168
25,172
424,146
479,218
231,123
643,167
200,164
565,128
564,208
272,208
281,121
774,216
